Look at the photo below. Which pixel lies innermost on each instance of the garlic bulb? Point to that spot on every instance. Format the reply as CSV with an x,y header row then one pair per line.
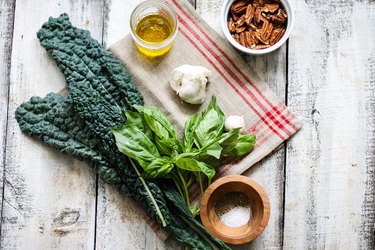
x,y
190,82
234,121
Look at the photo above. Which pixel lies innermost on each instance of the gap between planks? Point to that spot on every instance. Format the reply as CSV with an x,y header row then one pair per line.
x,y
8,10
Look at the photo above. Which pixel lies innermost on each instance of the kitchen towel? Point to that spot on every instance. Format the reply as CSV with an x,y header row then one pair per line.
x,y
238,89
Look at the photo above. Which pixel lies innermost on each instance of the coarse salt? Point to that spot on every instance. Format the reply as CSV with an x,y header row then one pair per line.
x,y
236,217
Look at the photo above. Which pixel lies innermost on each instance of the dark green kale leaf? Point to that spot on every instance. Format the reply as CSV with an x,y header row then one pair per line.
x,y
82,58
52,120
100,91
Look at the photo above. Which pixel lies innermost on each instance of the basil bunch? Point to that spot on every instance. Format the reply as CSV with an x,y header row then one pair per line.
x,y
150,138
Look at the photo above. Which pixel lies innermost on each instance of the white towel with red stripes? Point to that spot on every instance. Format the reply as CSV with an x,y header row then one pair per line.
x,y
236,86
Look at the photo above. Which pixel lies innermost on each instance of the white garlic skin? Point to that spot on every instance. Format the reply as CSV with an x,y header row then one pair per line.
x,y
190,82
234,121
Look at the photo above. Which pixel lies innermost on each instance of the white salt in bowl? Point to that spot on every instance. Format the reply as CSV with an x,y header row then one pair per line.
x,y
235,209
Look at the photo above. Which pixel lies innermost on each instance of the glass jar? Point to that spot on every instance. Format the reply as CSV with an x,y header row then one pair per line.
x,y
153,26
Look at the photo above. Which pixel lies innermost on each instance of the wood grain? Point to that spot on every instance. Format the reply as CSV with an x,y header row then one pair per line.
x,y
269,173
329,200
6,34
49,198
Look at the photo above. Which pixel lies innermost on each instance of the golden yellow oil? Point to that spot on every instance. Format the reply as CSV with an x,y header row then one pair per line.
x,y
154,52
154,29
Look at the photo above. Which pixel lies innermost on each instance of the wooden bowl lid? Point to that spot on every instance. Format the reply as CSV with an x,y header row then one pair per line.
x,y
259,207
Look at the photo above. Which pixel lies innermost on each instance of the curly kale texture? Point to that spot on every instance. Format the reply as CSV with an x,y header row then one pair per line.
x,y
100,91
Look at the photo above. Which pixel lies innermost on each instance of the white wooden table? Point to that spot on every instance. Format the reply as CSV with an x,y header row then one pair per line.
x,y
321,183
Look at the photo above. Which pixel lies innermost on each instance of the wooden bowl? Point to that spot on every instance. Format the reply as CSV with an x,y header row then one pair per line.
x,y
259,206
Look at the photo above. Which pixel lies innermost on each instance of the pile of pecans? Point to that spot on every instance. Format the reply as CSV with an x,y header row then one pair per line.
x,y
257,24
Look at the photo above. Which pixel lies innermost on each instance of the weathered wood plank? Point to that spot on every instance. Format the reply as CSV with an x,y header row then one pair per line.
x,y
49,198
270,172
6,34
330,162
116,20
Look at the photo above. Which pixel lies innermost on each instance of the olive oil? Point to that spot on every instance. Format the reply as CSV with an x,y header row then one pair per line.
x,y
154,29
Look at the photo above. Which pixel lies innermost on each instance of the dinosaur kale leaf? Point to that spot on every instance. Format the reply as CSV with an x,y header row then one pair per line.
x,y
100,91
52,120
83,59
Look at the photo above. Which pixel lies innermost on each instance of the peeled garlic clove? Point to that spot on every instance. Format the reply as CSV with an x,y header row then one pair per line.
x,y
234,121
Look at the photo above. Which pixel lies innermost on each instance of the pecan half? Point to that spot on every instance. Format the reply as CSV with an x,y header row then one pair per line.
x,y
277,34
266,30
239,7
251,41
270,8
279,18
231,26
262,46
250,11
240,29
235,17
240,21
257,15
243,39
258,35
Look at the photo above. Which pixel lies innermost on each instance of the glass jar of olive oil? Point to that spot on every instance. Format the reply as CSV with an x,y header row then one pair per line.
x,y
153,26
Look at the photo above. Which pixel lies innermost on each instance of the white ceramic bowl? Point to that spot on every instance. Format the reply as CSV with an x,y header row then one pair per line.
x,y
224,24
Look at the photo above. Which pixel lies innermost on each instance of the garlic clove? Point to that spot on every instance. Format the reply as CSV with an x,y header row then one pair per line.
x,y
190,82
175,83
193,90
234,121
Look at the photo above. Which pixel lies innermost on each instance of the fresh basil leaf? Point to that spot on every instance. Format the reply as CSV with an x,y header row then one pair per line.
x,y
191,164
135,144
244,145
214,150
210,155
229,140
136,120
160,167
190,126
208,170
166,138
210,126
210,160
